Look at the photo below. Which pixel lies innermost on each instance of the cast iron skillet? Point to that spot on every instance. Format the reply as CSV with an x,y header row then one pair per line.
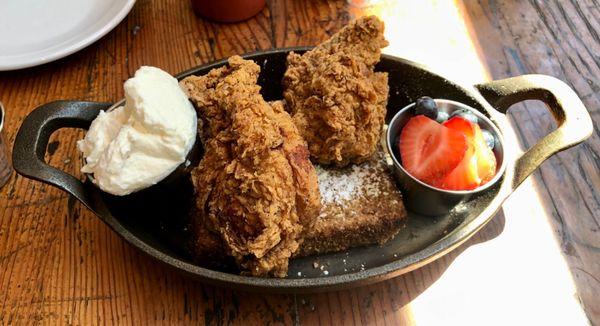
x,y
152,220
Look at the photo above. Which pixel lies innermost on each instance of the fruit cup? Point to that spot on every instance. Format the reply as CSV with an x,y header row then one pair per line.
x,y
423,198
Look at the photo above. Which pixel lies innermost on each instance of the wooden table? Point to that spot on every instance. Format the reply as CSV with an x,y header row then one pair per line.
x,y
533,264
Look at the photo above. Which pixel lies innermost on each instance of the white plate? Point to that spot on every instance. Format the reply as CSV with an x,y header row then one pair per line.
x,y
33,32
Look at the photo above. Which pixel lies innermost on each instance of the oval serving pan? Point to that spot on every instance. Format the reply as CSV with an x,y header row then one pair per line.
x,y
151,220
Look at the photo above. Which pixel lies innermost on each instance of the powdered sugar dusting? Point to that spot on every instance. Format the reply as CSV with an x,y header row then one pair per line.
x,y
338,186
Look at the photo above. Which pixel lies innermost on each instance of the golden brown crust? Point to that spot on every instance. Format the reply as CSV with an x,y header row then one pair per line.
x,y
255,173
360,232
336,99
308,197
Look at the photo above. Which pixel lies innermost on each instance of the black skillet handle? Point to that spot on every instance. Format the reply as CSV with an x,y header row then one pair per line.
x,y
574,122
32,139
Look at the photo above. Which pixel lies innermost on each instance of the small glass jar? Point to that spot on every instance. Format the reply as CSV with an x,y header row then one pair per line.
x,y
227,11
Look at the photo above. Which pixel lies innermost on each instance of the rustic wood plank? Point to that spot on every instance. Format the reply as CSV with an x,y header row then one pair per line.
x,y
60,264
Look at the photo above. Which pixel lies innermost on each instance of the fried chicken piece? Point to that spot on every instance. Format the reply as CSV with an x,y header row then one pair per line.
x,y
308,197
336,99
256,189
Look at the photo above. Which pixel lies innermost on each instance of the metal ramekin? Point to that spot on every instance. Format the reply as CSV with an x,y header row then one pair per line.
x,y
423,198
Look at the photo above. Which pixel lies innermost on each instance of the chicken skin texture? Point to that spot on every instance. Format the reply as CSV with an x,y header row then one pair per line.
x,y
336,99
256,189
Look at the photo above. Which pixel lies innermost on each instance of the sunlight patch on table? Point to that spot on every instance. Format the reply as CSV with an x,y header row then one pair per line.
x,y
490,271
433,33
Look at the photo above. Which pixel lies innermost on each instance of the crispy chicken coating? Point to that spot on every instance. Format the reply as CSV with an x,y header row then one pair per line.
x,y
336,99
256,189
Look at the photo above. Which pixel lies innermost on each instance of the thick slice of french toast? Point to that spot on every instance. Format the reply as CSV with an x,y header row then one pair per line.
x,y
361,206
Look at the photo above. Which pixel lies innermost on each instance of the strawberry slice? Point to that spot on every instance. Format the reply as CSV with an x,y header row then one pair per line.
x,y
479,163
486,161
430,150
463,125
465,176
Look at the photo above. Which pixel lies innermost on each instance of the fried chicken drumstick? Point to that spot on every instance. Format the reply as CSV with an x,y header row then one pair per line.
x,y
336,99
256,188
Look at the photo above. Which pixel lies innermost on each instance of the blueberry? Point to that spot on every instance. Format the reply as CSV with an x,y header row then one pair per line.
x,y
442,116
426,106
465,114
489,138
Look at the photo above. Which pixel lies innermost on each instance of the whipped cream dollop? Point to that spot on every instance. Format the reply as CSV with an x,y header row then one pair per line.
x,y
137,145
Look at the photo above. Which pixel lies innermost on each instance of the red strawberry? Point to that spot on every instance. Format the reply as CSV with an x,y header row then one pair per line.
x,y
464,177
430,150
479,163
462,125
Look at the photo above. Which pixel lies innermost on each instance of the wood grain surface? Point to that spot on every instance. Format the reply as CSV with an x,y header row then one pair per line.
x,y
534,263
